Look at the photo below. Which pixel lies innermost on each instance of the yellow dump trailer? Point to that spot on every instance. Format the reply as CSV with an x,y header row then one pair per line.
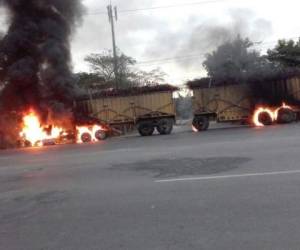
x,y
226,103
290,87
236,102
148,108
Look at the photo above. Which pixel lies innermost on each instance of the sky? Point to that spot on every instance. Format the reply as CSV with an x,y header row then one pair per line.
x,y
176,37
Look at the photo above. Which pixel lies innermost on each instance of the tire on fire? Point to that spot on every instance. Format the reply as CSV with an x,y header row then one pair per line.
x,y
100,135
201,123
265,118
286,116
86,138
145,128
165,126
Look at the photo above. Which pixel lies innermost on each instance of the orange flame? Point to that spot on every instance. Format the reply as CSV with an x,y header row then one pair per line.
x,y
37,134
33,131
91,130
272,113
258,112
194,129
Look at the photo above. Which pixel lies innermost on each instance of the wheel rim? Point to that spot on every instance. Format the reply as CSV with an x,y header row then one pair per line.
x,y
164,126
147,129
100,135
265,119
201,123
86,138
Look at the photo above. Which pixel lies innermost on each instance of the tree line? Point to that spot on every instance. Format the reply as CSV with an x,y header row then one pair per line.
x,y
103,73
234,61
238,61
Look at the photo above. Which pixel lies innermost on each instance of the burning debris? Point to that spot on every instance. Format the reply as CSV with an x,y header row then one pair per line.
x,y
35,68
35,134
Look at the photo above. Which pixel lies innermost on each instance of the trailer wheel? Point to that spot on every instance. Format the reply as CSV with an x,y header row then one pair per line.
x,y
286,116
100,135
165,126
265,119
146,128
86,138
201,123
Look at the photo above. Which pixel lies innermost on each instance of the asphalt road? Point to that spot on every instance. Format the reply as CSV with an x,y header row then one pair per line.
x,y
234,188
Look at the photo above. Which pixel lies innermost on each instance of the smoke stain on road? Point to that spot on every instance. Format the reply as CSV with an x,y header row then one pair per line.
x,y
166,168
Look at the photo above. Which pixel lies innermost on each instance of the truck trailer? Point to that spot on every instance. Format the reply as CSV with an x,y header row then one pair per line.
x,y
148,108
236,103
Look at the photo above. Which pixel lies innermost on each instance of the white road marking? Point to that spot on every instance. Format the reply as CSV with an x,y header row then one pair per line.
x,y
216,177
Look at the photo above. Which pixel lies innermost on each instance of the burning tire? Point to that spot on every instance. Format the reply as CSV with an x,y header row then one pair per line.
x,y
286,116
201,123
86,138
165,126
100,135
146,128
265,118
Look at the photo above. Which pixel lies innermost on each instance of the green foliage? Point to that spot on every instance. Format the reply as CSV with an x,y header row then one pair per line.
x,y
286,53
154,76
102,66
235,61
90,80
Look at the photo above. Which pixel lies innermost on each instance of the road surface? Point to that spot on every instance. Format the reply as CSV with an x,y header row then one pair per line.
x,y
233,188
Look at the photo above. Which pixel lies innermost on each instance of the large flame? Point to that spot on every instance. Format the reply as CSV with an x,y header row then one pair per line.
x,y
273,113
37,134
34,132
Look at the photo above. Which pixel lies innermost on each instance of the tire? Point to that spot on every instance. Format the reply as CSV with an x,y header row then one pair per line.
x,y
165,126
86,138
265,119
100,135
201,123
286,116
146,128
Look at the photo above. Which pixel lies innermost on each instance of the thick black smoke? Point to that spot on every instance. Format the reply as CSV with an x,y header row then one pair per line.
x,y
35,69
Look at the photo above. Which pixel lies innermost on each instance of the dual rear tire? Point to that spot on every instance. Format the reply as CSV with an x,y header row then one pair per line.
x,y
164,127
100,135
285,116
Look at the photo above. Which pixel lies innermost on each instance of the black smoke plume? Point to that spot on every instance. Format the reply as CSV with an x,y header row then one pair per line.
x,y
35,60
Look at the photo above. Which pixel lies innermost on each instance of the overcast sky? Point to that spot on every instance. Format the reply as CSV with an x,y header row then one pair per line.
x,y
184,33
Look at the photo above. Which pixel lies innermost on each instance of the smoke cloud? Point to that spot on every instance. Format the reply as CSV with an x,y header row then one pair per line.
x,y
35,60
202,38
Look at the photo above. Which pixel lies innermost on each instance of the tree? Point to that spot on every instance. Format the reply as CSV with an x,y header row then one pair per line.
x,y
234,61
90,80
102,66
140,77
286,53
